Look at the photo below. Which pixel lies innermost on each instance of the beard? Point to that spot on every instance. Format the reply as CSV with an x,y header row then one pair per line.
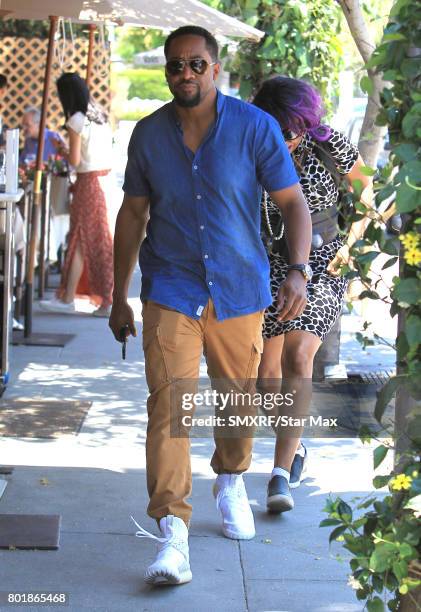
x,y
186,100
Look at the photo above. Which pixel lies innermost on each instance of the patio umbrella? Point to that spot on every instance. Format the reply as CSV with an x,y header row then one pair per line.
x,y
159,14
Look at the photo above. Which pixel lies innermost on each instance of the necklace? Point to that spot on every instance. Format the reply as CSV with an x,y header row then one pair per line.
x,y
268,223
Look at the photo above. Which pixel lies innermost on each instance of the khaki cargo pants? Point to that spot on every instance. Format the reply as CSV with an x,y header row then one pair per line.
x,y
173,344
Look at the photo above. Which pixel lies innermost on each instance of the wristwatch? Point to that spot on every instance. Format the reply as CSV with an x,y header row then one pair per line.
x,y
305,270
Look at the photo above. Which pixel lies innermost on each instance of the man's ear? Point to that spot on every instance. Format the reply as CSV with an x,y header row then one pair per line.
x,y
216,70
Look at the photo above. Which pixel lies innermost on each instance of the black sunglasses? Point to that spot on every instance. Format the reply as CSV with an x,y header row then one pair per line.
x,y
198,65
290,135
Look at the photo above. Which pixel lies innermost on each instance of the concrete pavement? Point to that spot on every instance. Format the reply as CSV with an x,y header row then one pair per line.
x,y
96,480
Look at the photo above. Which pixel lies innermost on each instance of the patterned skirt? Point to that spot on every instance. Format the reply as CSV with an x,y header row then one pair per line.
x,y
325,294
89,228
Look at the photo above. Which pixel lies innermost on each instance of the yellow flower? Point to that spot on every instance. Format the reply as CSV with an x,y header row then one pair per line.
x,y
401,481
410,240
413,256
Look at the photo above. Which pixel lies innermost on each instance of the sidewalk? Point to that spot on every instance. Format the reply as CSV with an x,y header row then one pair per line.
x,y
96,480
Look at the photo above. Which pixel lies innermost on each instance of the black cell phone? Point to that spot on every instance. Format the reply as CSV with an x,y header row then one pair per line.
x,y
123,340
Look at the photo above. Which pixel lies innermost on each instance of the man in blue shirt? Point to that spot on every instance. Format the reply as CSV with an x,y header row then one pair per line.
x,y
30,127
193,184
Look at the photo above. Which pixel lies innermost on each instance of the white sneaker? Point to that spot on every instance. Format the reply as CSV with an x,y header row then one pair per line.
x,y
232,501
171,565
55,305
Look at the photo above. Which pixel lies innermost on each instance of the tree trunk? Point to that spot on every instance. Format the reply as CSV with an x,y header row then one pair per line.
x,y
371,137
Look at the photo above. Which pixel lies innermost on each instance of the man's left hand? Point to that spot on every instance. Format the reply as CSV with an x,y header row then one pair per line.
x,y
292,296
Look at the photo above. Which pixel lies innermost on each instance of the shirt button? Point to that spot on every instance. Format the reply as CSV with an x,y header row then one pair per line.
x,y
195,167
206,256
202,227
199,197
210,283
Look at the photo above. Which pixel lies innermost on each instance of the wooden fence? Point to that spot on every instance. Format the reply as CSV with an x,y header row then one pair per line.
x,y
22,61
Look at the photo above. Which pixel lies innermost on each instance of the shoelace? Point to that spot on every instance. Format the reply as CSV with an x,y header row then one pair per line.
x,y
142,533
176,542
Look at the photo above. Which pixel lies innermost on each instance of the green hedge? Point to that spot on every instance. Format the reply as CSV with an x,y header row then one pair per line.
x,y
147,83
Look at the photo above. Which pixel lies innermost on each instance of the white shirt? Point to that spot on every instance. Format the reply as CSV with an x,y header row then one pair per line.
x,y
96,143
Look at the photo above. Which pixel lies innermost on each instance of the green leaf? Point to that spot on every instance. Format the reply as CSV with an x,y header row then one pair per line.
x,y
391,75
377,583
400,569
369,294
379,455
344,510
411,122
337,532
384,396
381,558
390,247
375,605
385,193
407,551
410,67
329,522
367,171
406,152
366,85
380,481
411,170
407,291
395,36
368,257
413,330
391,262
407,198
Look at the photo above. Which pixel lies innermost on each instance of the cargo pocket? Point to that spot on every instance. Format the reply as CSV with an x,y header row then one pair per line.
x,y
254,361
156,368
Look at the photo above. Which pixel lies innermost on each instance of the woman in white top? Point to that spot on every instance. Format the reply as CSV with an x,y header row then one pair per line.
x,y
88,269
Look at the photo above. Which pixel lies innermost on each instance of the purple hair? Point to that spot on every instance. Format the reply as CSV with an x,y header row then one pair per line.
x,y
295,104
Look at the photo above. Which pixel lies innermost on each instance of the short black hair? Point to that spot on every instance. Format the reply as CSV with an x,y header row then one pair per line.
x,y
191,30
3,81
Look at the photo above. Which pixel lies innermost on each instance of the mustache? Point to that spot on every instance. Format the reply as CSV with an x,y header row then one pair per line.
x,y
186,82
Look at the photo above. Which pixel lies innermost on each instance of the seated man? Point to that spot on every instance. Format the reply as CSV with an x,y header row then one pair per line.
x,y
30,126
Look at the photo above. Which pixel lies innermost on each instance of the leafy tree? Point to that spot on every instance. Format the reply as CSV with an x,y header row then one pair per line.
x,y
301,41
135,40
26,28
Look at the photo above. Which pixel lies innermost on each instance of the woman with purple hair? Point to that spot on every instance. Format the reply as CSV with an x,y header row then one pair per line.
x,y
322,158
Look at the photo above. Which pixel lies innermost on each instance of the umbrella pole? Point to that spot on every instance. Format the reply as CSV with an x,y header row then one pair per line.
x,y
92,29
37,196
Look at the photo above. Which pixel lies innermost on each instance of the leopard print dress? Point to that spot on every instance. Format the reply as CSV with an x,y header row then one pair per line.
x,y
324,292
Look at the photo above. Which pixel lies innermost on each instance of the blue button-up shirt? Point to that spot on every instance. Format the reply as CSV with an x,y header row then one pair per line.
x,y
203,237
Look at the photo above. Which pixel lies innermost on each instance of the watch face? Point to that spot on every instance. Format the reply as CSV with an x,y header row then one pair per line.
x,y
308,271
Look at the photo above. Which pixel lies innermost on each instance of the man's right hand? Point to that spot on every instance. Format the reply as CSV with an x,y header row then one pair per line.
x,y
122,317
